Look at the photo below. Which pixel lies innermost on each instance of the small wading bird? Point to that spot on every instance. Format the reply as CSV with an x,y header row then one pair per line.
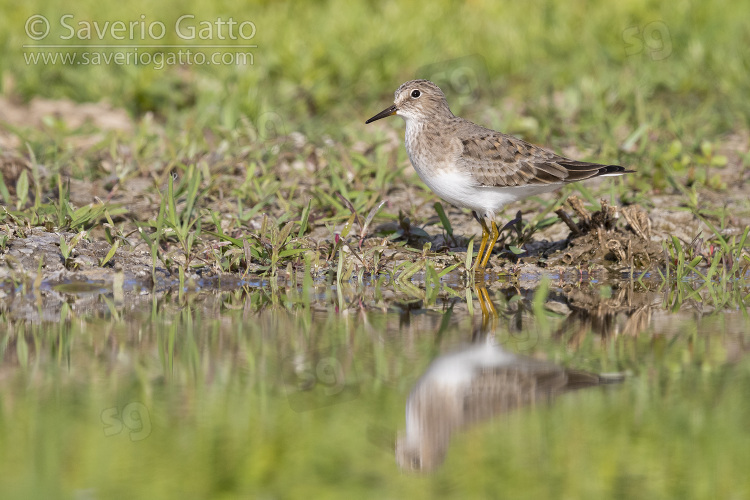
x,y
474,167
475,384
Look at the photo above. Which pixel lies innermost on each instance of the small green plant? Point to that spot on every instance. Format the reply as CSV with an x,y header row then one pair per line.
x,y
517,232
22,190
271,246
680,260
444,220
186,224
153,239
715,259
66,248
406,230
107,258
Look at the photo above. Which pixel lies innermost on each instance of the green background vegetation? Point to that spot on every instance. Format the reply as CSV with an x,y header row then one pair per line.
x,y
561,74
325,66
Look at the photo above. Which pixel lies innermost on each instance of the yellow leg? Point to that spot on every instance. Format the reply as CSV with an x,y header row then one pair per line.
x,y
483,245
489,313
480,298
494,235
488,303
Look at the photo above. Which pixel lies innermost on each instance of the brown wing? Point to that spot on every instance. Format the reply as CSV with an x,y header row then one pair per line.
x,y
500,390
496,159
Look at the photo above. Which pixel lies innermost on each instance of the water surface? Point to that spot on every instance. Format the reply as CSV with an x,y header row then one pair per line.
x,y
278,391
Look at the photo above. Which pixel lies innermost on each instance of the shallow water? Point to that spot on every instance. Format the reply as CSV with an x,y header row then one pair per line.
x,y
285,391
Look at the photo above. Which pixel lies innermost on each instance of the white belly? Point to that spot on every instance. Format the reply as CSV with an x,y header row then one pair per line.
x,y
461,190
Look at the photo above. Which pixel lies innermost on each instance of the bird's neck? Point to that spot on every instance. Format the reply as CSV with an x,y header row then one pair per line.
x,y
423,135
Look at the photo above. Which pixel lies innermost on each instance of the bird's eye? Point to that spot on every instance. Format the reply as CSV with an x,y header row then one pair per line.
x,y
415,93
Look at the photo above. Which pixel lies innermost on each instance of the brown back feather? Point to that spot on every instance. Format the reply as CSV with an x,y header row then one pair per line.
x,y
496,159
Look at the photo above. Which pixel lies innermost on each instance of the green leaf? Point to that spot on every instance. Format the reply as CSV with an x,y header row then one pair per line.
x,y
77,238
370,217
444,218
547,222
171,208
695,262
194,182
284,234
146,237
448,269
293,251
714,264
719,161
4,190
235,241
110,254
677,245
305,217
515,250
22,189
411,270
64,248
347,226
675,148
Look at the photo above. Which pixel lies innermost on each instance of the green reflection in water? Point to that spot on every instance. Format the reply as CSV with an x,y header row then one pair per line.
x,y
285,392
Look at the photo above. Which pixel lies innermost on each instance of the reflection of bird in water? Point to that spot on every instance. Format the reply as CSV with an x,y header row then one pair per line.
x,y
469,386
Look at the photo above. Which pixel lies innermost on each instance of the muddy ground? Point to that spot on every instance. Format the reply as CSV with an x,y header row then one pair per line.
x,y
608,242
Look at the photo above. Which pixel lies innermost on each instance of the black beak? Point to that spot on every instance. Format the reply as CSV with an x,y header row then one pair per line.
x,y
386,112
